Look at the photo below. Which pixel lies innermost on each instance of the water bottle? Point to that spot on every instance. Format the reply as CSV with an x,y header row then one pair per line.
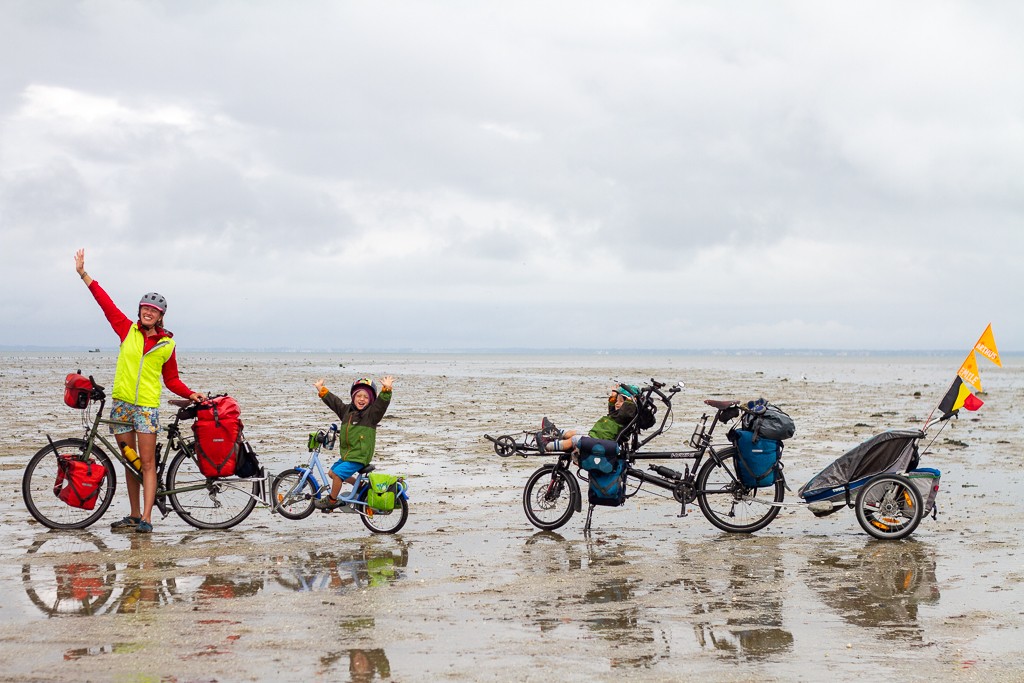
x,y
132,457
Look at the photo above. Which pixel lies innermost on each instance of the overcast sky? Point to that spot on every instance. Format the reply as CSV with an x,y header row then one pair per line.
x,y
345,175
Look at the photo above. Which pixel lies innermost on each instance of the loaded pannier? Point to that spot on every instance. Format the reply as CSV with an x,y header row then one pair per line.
x,y
77,389
78,482
218,432
755,460
605,471
247,464
768,421
383,489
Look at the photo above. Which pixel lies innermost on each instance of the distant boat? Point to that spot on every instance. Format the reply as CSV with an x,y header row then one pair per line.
x,y
94,350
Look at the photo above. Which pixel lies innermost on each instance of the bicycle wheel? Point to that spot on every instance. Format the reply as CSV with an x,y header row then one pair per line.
x,y
387,521
289,499
729,505
549,497
67,574
889,507
208,503
43,475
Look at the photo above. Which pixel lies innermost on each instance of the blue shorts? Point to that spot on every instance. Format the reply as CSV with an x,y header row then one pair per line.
x,y
345,469
140,418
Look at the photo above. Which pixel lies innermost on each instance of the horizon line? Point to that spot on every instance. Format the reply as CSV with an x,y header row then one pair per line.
x,y
513,350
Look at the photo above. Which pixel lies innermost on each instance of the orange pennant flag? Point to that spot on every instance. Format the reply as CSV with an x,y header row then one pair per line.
x,y
969,371
986,346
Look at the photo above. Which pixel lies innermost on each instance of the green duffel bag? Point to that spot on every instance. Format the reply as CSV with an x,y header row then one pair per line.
x,y
382,491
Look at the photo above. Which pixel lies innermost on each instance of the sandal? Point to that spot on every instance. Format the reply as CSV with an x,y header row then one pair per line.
x,y
125,524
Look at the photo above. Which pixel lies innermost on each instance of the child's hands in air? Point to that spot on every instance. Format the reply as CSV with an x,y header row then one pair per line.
x,y
319,385
386,383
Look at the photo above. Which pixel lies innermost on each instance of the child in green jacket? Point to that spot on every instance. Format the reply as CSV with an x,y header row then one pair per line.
x,y
621,411
357,433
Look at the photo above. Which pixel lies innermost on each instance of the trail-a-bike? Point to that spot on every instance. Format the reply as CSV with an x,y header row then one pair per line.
x,y
552,494
879,478
203,502
295,491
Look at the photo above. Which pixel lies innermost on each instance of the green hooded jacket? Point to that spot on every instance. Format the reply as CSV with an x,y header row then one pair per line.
x,y
357,433
609,426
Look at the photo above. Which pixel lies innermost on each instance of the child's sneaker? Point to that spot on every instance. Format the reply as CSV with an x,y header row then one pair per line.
x,y
541,442
326,503
548,428
144,527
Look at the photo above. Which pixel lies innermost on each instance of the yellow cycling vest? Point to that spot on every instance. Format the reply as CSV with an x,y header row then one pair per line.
x,y
138,376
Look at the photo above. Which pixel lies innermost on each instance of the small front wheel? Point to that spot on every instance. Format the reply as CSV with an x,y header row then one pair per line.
x,y
46,478
208,503
730,505
889,507
549,497
505,446
386,521
289,498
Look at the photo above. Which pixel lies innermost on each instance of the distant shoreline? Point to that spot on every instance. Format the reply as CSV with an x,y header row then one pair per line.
x,y
865,353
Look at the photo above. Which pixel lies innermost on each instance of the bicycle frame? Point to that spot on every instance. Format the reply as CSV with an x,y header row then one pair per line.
x,y
700,441
175,442
711,479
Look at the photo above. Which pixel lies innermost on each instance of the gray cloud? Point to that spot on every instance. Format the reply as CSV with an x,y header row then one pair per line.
x,y
684,174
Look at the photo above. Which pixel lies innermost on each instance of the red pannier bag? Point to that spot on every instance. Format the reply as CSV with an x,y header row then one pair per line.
x,y
78,581
218,432
83,483
76,390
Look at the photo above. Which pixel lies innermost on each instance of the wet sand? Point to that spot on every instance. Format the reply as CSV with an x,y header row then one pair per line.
x,y
470,591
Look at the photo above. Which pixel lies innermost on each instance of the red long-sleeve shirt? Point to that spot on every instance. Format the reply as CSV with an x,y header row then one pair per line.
x,y
122,324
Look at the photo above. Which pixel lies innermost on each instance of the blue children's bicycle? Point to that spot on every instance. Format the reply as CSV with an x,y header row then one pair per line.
x,y
294,491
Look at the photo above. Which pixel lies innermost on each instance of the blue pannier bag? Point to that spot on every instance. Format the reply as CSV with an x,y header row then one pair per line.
x,y
608,488
755,460
598,455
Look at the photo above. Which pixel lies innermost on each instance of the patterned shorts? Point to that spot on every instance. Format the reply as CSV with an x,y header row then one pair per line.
x,y
140,418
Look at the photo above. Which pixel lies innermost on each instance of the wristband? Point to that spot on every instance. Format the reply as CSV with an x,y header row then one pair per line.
x,y
322,391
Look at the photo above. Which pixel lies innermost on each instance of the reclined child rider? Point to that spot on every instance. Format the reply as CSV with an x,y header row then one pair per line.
x,y
621,411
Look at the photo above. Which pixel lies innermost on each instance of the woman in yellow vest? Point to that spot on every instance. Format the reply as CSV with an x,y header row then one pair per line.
x,y
146,356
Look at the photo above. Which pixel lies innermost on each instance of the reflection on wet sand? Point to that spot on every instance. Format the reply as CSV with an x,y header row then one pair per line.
x,y
879,586
737,597
364,665
71,574
81,584
604,603
730,592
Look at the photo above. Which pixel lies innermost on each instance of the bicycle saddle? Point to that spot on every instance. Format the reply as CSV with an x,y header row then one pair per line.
x,y
720,405
367,469
180,402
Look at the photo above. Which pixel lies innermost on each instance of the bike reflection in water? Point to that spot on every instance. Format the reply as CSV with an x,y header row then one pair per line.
x,y
68,574
878,587
371,564
610,606
72,574
737,586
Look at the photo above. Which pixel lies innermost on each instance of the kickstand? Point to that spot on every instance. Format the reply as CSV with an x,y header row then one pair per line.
x,y
590,512
682,510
